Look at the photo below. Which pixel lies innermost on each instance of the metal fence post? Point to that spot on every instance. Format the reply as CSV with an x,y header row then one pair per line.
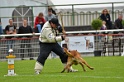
x,y
113,46
73,19
112,12
119,47
32,17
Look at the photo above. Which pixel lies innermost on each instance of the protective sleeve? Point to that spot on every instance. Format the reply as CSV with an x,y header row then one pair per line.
x,y
51,37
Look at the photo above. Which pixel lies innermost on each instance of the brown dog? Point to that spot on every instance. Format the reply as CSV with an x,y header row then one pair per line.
x,y
75,58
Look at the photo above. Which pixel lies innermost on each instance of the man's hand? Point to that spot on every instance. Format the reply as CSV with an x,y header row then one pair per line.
x,y
41,22
33,33
63,37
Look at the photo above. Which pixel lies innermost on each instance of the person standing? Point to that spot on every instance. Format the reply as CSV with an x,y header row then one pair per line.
x,y
53,11
25,29
48,42
10,29
105,16
50,15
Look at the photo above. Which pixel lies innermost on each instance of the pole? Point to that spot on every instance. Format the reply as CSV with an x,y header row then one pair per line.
x,y
11,57
61,17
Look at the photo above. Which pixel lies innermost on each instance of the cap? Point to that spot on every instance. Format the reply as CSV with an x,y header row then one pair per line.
x,y
55,21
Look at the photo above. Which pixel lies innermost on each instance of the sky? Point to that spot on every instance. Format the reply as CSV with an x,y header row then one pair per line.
x,y
62,2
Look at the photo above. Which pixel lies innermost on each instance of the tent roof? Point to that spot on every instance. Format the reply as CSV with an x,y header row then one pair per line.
x,y
65,2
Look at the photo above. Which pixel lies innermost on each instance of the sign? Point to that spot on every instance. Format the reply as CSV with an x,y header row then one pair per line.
x,y
80,43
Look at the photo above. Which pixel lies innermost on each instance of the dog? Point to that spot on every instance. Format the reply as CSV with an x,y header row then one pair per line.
x,y
75,58
87,43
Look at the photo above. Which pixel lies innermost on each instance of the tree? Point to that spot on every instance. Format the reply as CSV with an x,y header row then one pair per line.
x,y
123,23
96,25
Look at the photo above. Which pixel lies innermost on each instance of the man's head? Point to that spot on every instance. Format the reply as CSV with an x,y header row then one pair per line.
x,y
25,22
50,12
120,16
54,22
10,21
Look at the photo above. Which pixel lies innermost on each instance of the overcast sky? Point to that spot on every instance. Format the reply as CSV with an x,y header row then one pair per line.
x,y
61,2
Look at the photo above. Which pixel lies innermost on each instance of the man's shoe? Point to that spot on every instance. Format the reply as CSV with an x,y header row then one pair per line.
x,y
73,70
31,58
37,73
22,59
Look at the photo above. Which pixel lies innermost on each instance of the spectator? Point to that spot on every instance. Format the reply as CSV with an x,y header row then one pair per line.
x,y
50,15
1,30
118,22
39,22
25,29
50,8
103,26
105,16
10,29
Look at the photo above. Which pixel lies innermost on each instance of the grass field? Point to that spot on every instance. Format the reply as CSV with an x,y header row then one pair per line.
x,y
107,69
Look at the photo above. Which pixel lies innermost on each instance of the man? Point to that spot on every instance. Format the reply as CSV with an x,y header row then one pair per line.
x,y
47,18
50,15
10,29
118,22
48,42
25,29
1,30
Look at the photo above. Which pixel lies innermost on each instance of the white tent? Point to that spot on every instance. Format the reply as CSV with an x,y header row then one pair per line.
x,y
10,8
65,2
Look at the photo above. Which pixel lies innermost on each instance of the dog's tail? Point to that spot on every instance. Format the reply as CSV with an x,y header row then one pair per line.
x,y
67,52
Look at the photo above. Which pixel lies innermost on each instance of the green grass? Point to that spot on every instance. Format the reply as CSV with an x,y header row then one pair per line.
x,y
107,69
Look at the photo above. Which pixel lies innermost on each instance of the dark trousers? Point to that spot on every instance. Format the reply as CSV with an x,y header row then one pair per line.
x,y
25,44
45,50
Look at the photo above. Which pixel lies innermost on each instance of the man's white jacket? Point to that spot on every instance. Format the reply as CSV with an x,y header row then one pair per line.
x,y
48,34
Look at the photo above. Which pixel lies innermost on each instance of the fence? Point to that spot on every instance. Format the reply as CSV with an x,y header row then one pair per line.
x,y
22,47
107,42
71,17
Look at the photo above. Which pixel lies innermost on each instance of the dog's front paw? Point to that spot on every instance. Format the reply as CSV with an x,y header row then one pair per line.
x,y
62,71
85,70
